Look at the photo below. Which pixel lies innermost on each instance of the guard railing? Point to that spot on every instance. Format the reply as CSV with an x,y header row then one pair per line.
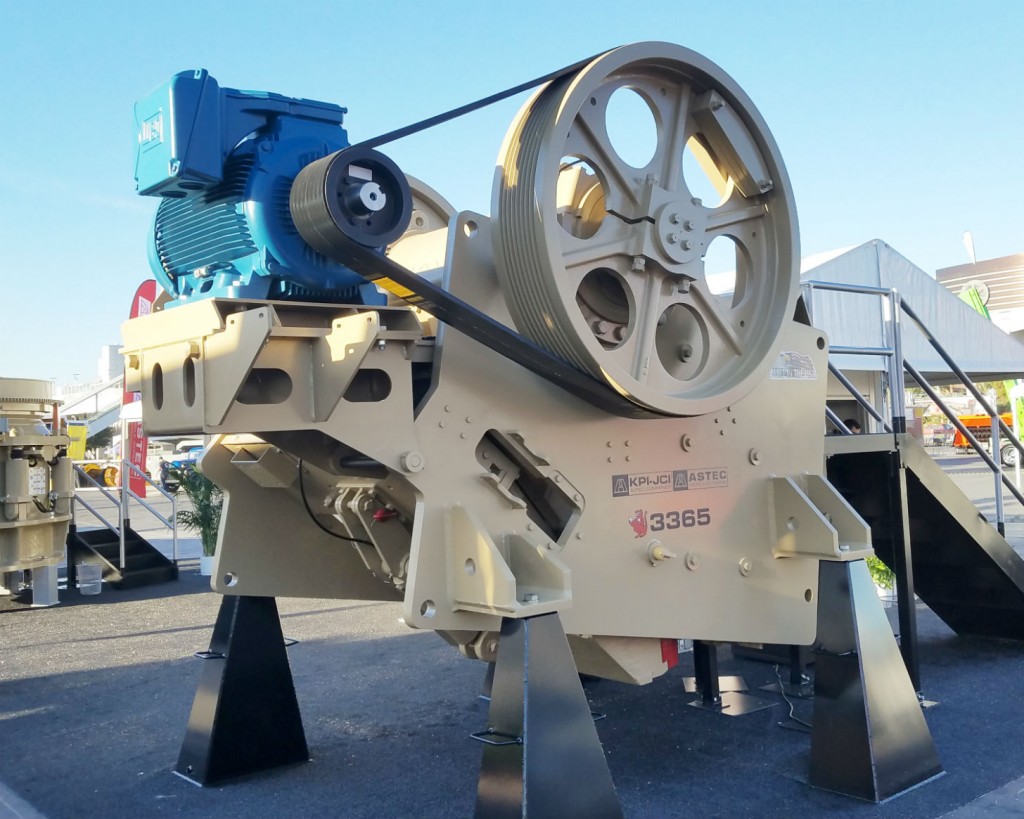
x,y
121,498
894,308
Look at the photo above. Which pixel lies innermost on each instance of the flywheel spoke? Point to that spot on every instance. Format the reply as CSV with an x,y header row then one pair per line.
x,y
710,307
591,141
649,308
724,220
673,135
583,255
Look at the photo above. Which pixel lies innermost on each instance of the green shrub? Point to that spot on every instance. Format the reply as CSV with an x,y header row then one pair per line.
x,y
880,573
207,503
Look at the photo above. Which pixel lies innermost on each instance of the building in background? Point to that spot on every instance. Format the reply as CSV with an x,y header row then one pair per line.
x,y
980,348
1001,283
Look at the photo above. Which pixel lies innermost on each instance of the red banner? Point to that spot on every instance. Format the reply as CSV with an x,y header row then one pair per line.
x,y
135,448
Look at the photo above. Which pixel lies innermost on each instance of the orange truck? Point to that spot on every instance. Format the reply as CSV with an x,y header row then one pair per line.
x,y
980,426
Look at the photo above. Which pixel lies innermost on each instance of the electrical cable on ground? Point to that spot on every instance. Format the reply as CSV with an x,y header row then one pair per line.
x,y
789,702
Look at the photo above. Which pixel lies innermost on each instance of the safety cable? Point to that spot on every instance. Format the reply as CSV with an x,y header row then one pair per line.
x,y
313,517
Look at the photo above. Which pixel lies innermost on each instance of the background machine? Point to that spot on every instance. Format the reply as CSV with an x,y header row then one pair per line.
x,y
547,432
35,488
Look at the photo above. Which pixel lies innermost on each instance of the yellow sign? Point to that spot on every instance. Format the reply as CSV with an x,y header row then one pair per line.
x,y
78,431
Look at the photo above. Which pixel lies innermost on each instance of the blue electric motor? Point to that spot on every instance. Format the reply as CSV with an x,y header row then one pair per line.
x,y
223,162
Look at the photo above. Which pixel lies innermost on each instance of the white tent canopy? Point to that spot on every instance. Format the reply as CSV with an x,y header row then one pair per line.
x,y
978,347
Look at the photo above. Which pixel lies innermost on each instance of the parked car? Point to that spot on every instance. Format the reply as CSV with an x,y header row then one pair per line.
x,y
171,470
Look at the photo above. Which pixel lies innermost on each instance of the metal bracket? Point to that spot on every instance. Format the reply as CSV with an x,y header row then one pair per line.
x,y
521,579
811,519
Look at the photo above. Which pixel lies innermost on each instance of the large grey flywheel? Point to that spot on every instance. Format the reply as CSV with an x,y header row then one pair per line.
x,y
601,236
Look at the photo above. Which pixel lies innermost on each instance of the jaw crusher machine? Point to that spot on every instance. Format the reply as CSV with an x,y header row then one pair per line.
x,y
546,432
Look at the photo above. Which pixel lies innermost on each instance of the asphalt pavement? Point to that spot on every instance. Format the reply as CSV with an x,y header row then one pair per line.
x,y
95,695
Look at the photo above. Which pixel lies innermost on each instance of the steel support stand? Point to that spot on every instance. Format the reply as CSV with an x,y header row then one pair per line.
x,y
542,757
488,684
705,672
903,568
870,739
723,695
245,717
72,557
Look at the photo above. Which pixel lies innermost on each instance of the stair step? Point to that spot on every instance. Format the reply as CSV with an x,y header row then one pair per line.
x,y
144,564
963,569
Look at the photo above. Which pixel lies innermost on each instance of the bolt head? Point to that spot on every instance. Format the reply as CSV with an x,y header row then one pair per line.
x,y
411,462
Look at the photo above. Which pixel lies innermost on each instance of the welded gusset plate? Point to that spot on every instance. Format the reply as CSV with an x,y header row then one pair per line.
x,y
609,231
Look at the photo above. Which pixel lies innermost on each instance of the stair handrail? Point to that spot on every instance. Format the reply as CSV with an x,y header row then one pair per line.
x,y
892,351
897,364
994,465
997,423
82,474
860,399
122,501
170,523
930,338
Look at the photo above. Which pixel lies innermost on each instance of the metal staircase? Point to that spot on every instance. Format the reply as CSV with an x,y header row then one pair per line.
x,y
143,565
100,407
127,558
962,568
923,527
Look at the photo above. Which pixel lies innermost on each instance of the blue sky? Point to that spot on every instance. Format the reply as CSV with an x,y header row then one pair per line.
x,y
898,121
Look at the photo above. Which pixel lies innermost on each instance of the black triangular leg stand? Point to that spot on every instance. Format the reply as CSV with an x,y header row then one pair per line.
x,y
245,717
870,739
542,757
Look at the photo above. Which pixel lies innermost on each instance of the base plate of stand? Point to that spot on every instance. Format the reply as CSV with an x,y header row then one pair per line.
x,y
727,683
733,704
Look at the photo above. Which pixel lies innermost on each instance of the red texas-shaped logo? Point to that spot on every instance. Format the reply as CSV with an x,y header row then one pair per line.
x,y
638,520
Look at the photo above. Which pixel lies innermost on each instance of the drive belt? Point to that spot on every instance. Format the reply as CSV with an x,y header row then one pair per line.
x,y
314,210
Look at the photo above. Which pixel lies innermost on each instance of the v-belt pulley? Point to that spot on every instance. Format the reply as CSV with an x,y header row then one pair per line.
x,y
626,320
319,205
